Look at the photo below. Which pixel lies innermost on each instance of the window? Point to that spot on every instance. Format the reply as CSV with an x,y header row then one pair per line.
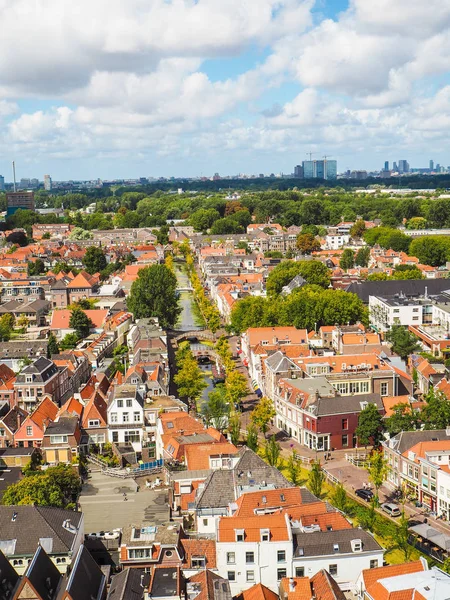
x,y
281,556
113,418
140,553
250,575
115,436
356,545
344,423
374,563
281,573
265,535
58,439
332,569
93,423
345,441
384,388
129,402
131,436
249,558
231,558
136,417
231,575
299,571
29,430
335,547
120,403
240,535
126,417
205,521
198,562
2,433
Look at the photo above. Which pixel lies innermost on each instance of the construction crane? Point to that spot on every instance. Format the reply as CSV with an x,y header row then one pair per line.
x,y
310,154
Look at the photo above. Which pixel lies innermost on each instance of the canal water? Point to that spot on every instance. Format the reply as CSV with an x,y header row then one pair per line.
x,y
187,321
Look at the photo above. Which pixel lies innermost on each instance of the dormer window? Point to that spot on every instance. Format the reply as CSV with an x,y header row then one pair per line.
x,y
356,545
265,535
240,535
335,547
29,379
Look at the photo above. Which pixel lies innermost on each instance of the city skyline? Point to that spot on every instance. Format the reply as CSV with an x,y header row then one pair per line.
x,y
133,89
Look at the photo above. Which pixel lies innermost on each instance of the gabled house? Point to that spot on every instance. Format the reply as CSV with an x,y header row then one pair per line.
x,y
41,580
82,286
126,416
23,528
9,424
95,420
61,440
41,378
31,431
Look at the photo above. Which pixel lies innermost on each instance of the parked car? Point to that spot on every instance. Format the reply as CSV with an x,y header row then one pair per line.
x,y
95,535
366,495
391,509
104,535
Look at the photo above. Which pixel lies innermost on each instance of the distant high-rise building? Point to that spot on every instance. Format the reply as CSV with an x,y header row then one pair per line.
x,y
2,183
16,200
438,167
319,169
431,165
298,171
403,166
394,167
386,165
47,183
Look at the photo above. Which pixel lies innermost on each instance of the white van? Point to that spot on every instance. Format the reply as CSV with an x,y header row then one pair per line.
x,y
391,509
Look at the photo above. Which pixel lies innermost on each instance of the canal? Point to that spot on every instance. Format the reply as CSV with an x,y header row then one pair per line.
x,y
190,320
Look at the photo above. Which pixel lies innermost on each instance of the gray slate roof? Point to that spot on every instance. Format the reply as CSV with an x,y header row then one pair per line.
x,y
410,287
345,404
32,523
43,575
64,426
8,578
405,440
42,370
321,543
22,349
225,486
86,579
127,585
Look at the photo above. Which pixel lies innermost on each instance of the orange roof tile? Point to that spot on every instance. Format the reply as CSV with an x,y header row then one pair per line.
x,y
301,591
390,401
45,412
370,576
197,457
252,526
257,592
61,318
206,548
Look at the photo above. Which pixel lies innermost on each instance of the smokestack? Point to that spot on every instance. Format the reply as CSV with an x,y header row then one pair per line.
x,y
14,174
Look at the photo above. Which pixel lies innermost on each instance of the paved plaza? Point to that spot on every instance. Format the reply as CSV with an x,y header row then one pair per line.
x,y
105,508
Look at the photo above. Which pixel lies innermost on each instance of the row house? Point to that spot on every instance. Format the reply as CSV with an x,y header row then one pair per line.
x,y
34,310
9,425
32,429
125,415
78,366
7,380
146,341
54,230
150,376
358,374
71,289
420,463
266,547
312,412
41,378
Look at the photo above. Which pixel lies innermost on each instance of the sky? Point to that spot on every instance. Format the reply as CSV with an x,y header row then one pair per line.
x,y
149,88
